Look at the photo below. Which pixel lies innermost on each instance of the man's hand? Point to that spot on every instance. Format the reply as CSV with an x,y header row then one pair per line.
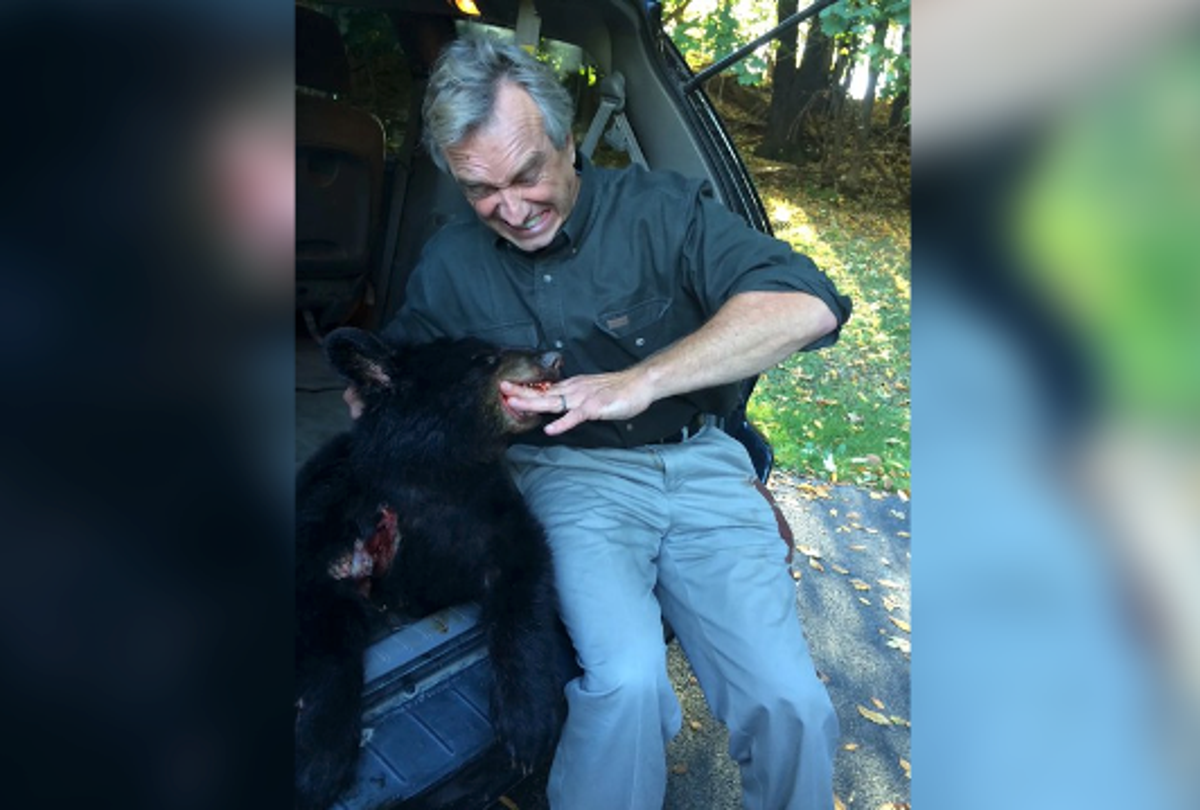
x,y
588,397
751,332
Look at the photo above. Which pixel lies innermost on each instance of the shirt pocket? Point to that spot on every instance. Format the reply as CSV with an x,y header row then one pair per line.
x,y
639,330
514,335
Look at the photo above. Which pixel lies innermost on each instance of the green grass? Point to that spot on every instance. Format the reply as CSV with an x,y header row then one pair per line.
x,y
842,414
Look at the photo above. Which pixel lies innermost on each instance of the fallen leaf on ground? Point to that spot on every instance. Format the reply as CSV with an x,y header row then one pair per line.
x,y
809,551
839,568
850,747
901,644
859,585
856,546
907,766
679,768
878,703
864,600
897,720
694,725
873,716
812,491
903,625
890,583
838,804
815,564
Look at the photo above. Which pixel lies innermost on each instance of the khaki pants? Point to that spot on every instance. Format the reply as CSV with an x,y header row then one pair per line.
x,y
676,531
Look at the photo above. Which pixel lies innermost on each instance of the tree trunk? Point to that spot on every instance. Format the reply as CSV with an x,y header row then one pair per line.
x,y
854,177
896,113
900,102
839,88
677,13
795,91
812,77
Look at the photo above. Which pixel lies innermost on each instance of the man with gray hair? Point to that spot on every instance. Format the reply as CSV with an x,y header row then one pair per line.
x,y
660,301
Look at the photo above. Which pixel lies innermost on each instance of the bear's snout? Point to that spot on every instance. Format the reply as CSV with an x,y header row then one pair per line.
x,y
551,363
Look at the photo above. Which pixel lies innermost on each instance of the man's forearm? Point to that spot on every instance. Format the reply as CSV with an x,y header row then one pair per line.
x,y
750,333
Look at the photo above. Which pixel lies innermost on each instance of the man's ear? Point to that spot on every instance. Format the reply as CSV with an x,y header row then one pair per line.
x,y
361,358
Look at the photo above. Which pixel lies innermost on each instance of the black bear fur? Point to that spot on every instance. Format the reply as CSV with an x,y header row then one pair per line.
x,y
412,508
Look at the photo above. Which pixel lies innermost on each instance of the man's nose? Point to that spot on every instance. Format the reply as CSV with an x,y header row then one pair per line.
x,y
511,205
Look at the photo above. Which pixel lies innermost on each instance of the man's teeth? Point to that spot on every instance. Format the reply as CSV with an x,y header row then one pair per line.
x,y
533,220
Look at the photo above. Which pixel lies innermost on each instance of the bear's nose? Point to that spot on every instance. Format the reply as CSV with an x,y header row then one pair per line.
x,y
551,362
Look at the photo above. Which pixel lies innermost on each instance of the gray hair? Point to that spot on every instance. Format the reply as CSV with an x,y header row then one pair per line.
x,y
462,93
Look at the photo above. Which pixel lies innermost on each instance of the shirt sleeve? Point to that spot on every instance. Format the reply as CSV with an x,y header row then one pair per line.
x,y
723,256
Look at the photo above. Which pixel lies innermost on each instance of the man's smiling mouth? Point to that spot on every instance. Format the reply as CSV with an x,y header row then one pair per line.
x,y
532,223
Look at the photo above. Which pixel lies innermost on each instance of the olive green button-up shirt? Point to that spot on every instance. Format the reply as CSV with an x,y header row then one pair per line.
x,y
644,259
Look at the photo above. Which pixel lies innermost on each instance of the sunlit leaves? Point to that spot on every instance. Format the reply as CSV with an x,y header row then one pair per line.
x,y
844,411
875,717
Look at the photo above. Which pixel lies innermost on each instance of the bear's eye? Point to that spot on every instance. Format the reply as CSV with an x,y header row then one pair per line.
x,y
488,359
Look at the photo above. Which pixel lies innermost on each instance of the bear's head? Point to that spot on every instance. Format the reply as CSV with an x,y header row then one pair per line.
x,y
438,389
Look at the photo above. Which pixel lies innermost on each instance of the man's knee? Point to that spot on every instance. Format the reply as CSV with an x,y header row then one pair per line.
x,y
798,710
812,711
631,676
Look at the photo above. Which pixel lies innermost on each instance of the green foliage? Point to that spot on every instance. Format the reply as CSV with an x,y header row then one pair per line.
x,y
704,34
843,413
705,30
855,21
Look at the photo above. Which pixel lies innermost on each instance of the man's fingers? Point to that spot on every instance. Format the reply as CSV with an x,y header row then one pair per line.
x,y
568,420
525,399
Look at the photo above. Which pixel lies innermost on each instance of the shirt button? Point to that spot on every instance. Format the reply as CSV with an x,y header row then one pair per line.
x,y
547,278
558,344
640,342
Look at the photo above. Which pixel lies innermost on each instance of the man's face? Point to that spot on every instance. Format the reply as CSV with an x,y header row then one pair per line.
x,y
517,182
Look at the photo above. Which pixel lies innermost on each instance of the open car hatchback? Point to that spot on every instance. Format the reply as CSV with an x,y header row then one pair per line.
x,y
368,198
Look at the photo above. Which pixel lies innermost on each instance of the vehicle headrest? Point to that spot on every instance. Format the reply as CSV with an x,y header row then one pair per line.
x,y
321,62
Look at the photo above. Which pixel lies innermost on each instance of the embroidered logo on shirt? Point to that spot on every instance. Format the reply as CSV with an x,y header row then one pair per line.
x,y
618,322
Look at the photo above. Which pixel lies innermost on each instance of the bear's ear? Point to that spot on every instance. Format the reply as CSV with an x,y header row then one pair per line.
x,y
360,357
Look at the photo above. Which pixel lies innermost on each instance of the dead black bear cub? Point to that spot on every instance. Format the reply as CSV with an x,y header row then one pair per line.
x,y
412,507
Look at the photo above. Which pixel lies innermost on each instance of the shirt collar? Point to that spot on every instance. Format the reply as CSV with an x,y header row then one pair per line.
x,y
582,211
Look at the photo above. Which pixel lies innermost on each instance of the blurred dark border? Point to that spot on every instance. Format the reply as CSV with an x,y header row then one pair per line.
x,y
145,481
